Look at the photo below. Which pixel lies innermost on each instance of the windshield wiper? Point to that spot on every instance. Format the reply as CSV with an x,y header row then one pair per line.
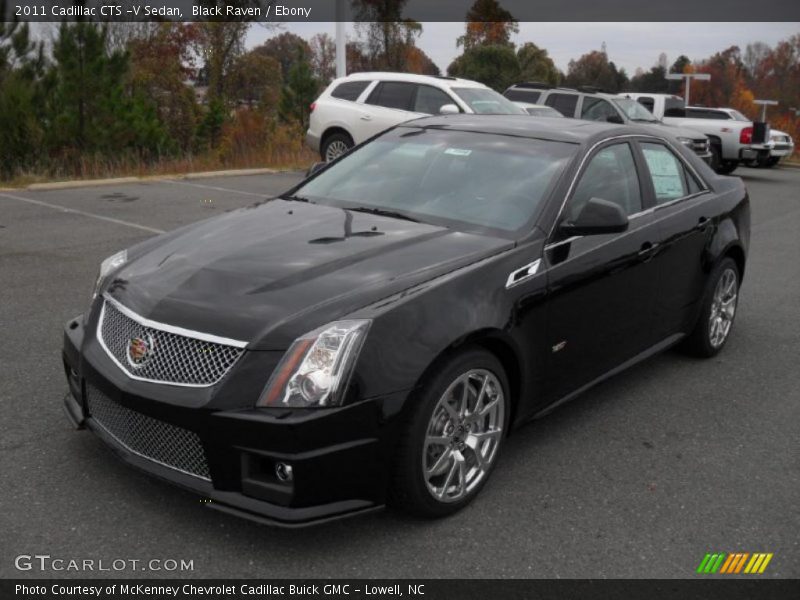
x,y
373,210
296,198
640,120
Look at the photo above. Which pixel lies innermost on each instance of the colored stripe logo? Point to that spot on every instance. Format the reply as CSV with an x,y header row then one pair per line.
x,y
735,563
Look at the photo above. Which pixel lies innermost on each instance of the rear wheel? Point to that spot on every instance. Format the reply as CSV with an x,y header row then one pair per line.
x,y
772,161
717,311
335,145
453,437
727,167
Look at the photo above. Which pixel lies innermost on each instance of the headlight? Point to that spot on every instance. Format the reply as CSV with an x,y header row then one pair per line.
x,y
686,141
317,368
109,265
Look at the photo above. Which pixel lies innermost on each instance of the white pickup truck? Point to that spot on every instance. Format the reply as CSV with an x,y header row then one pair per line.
x,y
732,142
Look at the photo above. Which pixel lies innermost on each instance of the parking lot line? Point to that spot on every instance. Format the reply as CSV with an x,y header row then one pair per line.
x,y
82,213
218,189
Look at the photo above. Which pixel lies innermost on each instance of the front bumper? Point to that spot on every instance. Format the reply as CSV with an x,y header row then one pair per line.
x,y
312,140
780,150
339,457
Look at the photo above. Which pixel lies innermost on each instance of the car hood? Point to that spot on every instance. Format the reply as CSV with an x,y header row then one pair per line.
x,y
271,272
679,131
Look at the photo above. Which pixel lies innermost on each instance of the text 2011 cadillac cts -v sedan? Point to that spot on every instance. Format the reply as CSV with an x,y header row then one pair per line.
x,y
373,335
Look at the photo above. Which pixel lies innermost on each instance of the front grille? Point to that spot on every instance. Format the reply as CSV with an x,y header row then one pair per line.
x,y
153,354
164,443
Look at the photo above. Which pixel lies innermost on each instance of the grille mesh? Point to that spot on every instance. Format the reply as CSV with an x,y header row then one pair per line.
x,y
156,440
172,358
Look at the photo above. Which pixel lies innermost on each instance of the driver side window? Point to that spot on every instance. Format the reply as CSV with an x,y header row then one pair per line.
x,y
610,175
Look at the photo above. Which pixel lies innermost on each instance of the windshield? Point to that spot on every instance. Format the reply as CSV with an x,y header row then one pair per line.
x,y
479,182
487,102
635,111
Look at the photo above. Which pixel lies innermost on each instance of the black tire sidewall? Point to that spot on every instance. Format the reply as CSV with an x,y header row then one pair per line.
x,y
413,495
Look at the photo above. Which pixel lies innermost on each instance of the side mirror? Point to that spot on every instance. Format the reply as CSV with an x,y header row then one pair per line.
x,y
597,217
314,168
615,119
448,109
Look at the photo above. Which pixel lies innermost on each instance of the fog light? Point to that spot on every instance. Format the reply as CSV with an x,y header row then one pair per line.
x,y
283,472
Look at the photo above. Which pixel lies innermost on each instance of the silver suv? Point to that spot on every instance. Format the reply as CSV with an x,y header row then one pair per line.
x,y
591,104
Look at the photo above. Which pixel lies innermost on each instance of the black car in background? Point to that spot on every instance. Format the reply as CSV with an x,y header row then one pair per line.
x,y
372,336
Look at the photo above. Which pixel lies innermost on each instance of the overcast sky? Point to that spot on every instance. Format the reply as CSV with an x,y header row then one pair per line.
x,y
629,45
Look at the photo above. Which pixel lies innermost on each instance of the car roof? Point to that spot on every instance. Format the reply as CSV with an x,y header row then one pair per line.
x,y
412,77
572,131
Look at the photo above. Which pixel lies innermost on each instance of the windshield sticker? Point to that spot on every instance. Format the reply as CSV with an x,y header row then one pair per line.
x,y
458,152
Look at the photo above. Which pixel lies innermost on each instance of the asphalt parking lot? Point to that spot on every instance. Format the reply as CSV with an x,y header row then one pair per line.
x,y
640,477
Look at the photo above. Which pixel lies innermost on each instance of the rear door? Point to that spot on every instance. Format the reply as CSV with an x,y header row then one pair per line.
x,y
600,287
685,226
388,104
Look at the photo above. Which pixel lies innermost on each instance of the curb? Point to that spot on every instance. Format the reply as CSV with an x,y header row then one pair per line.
x,y
78,183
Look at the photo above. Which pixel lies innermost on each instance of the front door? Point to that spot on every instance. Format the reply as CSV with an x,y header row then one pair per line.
x,y
600,287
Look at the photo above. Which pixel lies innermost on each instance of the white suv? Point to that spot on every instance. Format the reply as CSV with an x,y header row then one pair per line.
x,y
354,108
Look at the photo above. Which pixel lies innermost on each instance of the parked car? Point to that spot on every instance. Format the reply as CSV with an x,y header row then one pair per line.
x,y
733,141
373,334
591,105
354,108
539,110
782,146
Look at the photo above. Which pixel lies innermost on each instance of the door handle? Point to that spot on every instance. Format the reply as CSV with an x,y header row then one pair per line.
x,y
365,117
647,250
702,223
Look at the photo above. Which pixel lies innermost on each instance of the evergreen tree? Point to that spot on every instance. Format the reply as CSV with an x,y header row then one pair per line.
x,y
298,93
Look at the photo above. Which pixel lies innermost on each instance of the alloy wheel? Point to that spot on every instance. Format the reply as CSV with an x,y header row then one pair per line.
x,y
335,149
463,435
723,308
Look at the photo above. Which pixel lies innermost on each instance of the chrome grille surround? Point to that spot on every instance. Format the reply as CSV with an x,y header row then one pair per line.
x,y
176,356
161,442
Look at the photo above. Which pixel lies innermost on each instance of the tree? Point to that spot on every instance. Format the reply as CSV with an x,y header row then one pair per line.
x,y
287,48
417,61
594,69
495,66
218,43
255,80
323,57
385,35
298,94
488,24
536,65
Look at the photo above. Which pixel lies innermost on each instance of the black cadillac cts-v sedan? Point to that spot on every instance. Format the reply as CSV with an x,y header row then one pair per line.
x,y
373,335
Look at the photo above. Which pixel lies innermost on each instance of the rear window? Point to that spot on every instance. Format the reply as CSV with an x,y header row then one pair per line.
x,y
674,107
349,90
563,103
531,96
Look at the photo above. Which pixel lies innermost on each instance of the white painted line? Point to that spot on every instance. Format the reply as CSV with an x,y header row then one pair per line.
x,y
218,189
75,211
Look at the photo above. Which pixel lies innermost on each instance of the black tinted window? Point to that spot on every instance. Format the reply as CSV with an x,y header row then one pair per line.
x,y
430,99
563,103
350,90
531,96
702,113
647,102
597,109
393,94
610,175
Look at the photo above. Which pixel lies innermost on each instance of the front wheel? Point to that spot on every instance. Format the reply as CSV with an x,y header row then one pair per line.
x,y
717,312
727,167
453,437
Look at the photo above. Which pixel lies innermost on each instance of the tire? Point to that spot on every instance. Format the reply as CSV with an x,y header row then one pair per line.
x,y
716,157
437,478
335,145
771,162
727,167
702,341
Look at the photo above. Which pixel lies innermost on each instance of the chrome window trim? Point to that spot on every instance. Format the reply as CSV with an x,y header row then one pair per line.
x,y
206,337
